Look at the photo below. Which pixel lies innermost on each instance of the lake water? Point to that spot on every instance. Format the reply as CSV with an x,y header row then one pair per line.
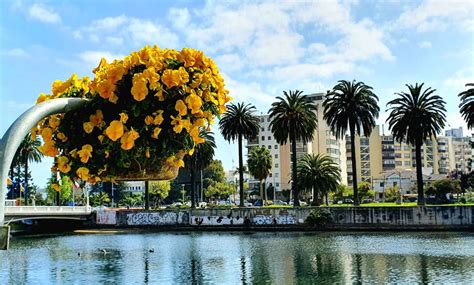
x,y
237,258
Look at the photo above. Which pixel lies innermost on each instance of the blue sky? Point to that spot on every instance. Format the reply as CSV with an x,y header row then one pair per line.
x,y
261,47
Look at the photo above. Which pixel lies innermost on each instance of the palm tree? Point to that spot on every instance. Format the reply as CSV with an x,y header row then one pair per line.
x,y
239,122
415,117
260,164
467,105
351,105
201,158
294,118
319,173
28,152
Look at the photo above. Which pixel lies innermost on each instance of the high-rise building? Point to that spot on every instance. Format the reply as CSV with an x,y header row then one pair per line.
x,y
323,141
368,154
454,132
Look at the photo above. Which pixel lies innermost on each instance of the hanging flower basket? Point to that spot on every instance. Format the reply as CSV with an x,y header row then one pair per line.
x,y
143,115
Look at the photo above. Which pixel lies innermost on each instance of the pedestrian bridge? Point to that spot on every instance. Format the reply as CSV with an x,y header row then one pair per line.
x,y
18,213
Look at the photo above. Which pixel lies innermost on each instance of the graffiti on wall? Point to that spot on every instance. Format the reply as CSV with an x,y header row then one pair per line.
x,y
271,220
106,217
157,218
216,220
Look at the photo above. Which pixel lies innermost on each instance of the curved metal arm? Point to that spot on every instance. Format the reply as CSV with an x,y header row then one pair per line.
x,y
20,128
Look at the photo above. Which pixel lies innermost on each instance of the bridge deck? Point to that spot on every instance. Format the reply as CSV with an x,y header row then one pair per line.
x,y
17,211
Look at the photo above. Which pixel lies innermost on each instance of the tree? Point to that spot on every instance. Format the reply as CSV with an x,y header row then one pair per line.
x,y
440,188
364,190
219,190
214,172
29,153
320,174
59,191
343,191
201,158
466,105
351,105
159,190
260,164
239,122
293,117
415,117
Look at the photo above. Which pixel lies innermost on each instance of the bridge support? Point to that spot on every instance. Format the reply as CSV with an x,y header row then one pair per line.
x,y
19,129
4,237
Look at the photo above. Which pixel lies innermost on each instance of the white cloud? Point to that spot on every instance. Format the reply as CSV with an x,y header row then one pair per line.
x,y
122,29
249,92
459,79
92,58
179,18
425,44
229,62
434,15
16,52
44,14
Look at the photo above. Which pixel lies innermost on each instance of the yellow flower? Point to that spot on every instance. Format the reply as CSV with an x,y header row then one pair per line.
x,y
194,103
115,73
62,137
63,165
42,97
170,78
85,153
33,133
49,149
107,153
128,139
88,127
102,64
181,107
96,118
53,122
148,120
106,89
183,76
139,88
115,130
47,134
9,181
123,118
58,87
156,132
73,153
113,98
100,138
147,152
159,118
56,187
83,173
102,170
177,123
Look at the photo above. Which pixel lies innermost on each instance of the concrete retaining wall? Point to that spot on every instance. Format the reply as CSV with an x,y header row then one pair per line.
x,y
429,217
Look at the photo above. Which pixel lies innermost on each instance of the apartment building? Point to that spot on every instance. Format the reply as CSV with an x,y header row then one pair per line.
x,y
323,141
368,155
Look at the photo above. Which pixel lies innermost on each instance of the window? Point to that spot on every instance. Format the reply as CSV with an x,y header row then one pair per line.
x,y
262,120
276,146
269,147
381,184
263,138
276,155
268,129
277,184
407,163
262,129
407,155
268,119
269,138
277,174
398,163
276,165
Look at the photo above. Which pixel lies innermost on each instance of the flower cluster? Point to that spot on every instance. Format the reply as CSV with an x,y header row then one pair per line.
x,y
143,115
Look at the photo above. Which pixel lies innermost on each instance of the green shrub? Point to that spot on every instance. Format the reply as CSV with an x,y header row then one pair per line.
x,y
319,218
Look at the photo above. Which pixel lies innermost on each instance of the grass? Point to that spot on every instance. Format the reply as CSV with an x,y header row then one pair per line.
x,y
393,204
277,206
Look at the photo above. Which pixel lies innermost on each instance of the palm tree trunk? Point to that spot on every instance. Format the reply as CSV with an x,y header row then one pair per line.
x,y
193,189
147,195
58,199
294,185
327,199
241,173
265,190
261,191
354,166
419,173
26,182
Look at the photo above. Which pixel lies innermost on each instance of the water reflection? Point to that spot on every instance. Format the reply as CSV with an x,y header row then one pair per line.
x,y
235,258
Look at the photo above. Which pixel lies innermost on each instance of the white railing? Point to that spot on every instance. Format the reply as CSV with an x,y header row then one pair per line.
x,y
47,210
